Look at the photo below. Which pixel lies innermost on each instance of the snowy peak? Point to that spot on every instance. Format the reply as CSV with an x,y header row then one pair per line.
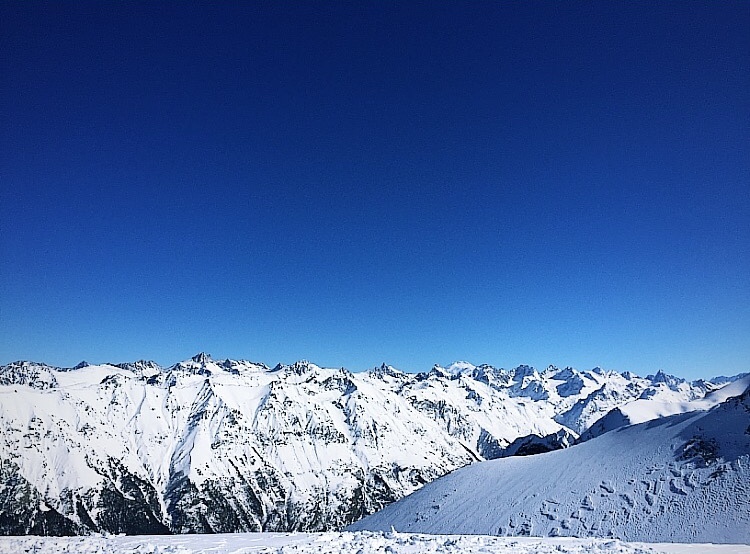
x,y
458,368
525,372
204,364
143,368
723,379
202,358
669,380
388,372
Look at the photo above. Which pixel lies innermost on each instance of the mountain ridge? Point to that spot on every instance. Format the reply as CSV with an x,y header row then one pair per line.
x,y
233,445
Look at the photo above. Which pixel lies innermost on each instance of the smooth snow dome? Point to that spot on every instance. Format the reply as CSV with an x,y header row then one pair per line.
x,y
683,478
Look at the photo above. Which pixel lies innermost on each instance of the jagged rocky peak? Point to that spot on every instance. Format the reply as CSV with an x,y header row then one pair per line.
x,y
25,365
202,358
81,365
229,366
235,367
662,377
572,384
497,377
562,374
437,371
524,371
142,368
483,373
300,367
385,370
342,381
528,382
197,365
38,376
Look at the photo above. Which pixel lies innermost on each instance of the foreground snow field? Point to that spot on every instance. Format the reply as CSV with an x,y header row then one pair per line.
x,y
344,543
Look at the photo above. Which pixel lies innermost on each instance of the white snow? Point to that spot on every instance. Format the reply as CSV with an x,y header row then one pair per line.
x,y
683,478
345,543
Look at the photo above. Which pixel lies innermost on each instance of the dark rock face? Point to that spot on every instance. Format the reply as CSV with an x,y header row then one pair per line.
x,y
31,521
126,504
38,376
23,510
534,444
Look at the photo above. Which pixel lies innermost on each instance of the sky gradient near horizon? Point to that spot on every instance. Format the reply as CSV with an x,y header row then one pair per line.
x,y
558,183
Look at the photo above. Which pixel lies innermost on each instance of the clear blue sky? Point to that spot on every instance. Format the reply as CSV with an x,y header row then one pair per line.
x,y
411,182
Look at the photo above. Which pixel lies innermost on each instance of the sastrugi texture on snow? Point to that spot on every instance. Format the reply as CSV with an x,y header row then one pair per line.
x,y
224,446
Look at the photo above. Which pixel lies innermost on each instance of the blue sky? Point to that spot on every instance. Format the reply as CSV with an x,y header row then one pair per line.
x,y
411,182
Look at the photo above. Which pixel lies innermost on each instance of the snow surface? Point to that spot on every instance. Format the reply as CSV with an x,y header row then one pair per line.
x,y
345,543
683,478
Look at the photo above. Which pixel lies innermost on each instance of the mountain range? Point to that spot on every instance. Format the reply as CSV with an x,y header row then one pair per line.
x,y
229,445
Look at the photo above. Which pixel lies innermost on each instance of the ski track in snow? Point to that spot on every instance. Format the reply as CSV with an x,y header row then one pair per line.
x,y
344,543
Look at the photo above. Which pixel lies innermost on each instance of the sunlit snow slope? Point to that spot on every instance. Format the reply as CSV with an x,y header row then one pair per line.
x,y
683,478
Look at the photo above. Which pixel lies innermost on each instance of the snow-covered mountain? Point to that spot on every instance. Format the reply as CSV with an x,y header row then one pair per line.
x,y
648,408
221,446
681,478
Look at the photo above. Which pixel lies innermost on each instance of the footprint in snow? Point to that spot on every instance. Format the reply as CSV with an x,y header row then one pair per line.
x,y
588,503
675,488
607,486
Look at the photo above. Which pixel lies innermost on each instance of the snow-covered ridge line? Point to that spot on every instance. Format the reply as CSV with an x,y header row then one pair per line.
x,y
455,369
214,446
